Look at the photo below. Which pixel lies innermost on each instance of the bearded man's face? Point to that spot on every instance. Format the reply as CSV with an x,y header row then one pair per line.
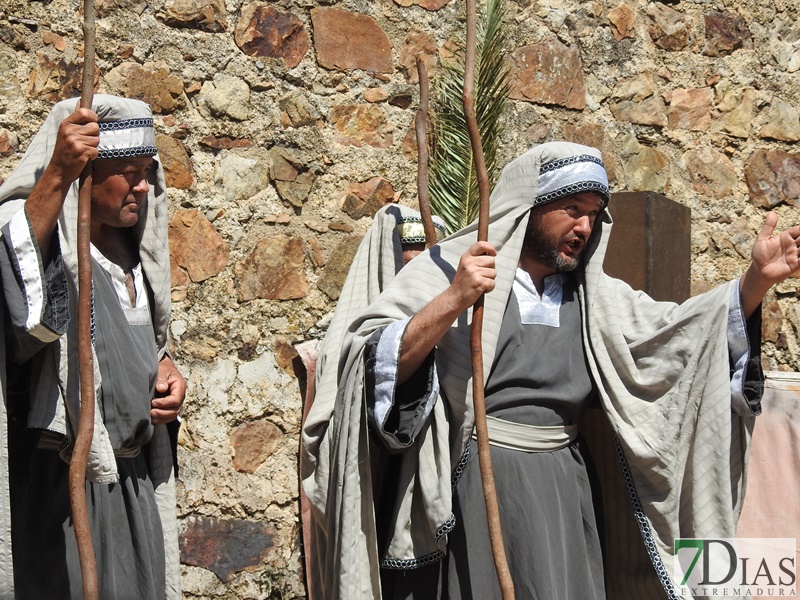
x,y
558,232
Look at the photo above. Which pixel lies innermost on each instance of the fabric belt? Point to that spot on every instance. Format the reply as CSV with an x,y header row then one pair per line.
x,y
50,440
529,438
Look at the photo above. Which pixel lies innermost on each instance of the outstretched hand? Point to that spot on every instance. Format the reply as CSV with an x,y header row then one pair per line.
x,y
170,393
775,256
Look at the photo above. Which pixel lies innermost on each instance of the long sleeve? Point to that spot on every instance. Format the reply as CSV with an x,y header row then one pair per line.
x,y
397,413
36,295
744,347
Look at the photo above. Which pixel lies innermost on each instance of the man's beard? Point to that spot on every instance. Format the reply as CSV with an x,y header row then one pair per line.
x,y
543,247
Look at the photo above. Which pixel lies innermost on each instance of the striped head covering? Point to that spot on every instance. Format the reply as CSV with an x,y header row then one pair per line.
x,y
125,138
572,175
411,230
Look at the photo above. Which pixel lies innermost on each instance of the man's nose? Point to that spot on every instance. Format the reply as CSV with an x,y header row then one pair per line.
x,y
583,225
140,186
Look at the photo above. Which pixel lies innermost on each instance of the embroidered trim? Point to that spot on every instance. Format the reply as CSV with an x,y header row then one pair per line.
x,y
459,470
127,152
644,525
573,188
125,124
412,563
446,527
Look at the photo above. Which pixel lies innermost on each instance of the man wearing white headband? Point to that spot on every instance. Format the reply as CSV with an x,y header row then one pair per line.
x,y
679,386
138,391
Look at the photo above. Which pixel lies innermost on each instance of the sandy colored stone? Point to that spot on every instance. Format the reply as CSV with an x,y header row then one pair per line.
x,y
418,43
690,109
337,266
152,82
253,443
226,96
359,124
55,40
375,95
178,171
9,142
646,168
773,177
426,4
244,173
711,172
262,30
548,73
348,40
669,28
622,19
634,100
55,78
196,246
274,269
367,198
734,113
207,15
299,110
635,88
783,122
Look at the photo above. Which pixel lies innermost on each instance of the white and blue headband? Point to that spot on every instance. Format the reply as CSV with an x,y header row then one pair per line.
x,y
572,175
127,138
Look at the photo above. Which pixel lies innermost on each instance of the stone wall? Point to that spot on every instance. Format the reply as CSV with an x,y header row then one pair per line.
x,y
284,125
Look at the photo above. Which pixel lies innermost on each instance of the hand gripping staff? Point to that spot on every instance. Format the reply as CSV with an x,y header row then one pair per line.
x,y
83,440
479,402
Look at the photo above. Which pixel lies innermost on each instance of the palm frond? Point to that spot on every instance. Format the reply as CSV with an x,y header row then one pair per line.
x,y
453,181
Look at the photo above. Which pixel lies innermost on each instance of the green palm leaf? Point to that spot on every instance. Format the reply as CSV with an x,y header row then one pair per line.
x,y
453,181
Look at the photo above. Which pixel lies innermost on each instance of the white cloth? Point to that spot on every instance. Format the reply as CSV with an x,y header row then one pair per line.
x,y
662,372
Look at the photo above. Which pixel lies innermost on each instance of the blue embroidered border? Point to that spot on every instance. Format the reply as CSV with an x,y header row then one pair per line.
x,y
644,525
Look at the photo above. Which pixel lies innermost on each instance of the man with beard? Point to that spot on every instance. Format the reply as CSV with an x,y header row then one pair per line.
x,y
678,384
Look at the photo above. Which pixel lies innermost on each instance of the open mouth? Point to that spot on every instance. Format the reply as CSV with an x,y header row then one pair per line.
x,y
574,245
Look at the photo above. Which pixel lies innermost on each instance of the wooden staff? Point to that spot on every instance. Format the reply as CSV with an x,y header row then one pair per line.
x,y
83,440
476,345
420,123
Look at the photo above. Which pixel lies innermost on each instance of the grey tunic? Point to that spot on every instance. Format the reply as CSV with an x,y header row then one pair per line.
x,y
123,517
550,531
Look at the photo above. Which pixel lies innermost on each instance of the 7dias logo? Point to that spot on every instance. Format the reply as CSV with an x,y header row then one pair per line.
x,y
721,567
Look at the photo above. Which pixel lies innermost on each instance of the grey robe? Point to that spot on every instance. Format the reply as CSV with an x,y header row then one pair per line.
x,y
663,378
56,409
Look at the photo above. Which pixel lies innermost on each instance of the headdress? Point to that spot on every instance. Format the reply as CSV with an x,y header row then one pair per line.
x,y
123,138
572,175
411,230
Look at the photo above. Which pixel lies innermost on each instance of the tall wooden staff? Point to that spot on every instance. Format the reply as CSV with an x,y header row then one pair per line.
x,y
83,440
420,123
476,346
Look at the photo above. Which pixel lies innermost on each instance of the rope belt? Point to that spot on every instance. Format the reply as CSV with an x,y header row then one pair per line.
x,y
529,438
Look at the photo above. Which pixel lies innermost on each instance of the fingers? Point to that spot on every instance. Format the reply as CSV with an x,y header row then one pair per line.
x,y
769,227
475,274
76,143
482,248
164,409
170,393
